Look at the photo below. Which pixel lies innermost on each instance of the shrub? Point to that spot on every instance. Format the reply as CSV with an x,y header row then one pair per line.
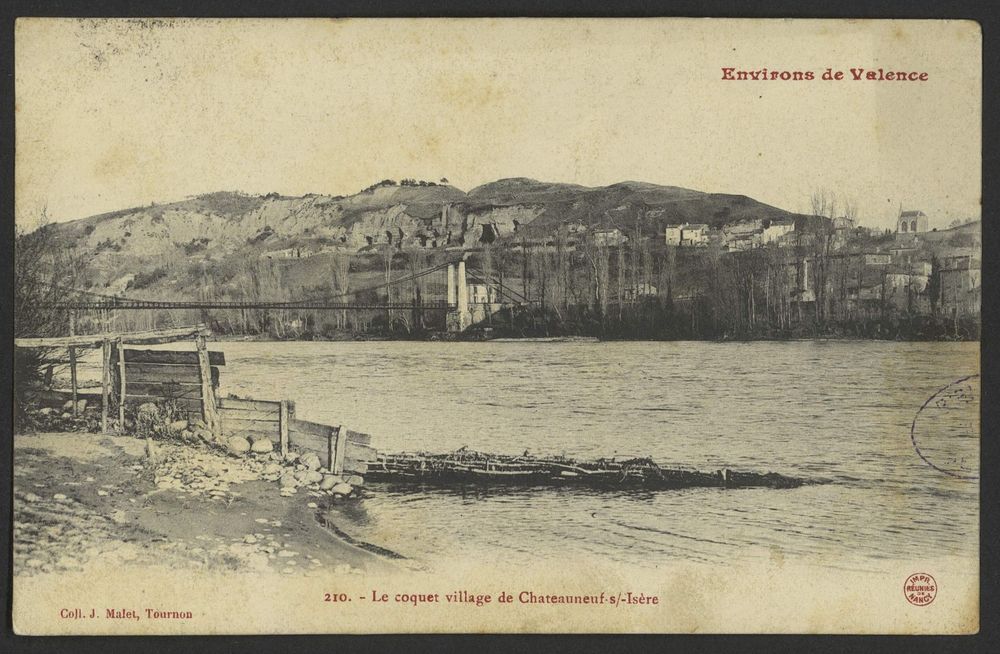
x,y
146,279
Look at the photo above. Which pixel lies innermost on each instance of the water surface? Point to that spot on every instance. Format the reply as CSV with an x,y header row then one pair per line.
x,y
838,412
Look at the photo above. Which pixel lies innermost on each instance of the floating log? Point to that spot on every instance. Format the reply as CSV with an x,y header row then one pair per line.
x,y
465,466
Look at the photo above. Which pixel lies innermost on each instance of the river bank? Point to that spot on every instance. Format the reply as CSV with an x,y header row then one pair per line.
x,y
87,500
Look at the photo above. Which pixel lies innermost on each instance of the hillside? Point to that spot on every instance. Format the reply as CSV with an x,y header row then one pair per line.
x,y
228,226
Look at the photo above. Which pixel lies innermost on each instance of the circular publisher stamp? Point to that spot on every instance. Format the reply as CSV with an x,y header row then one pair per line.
x,y
945,430
920,589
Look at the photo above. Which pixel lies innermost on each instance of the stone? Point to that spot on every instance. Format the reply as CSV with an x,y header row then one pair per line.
x,y
178,426
292,457
47,411
354,480
148,409
311,461
238,445
312,505
329,481
199,424
58,496
288,481
67,405
204,435
262,446
250,539
31,497
102,493
342,489
313,477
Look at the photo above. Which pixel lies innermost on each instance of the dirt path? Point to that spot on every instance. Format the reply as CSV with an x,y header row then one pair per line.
x,y
88,499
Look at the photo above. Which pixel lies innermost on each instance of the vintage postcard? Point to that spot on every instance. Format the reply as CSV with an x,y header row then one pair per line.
x,y
476,325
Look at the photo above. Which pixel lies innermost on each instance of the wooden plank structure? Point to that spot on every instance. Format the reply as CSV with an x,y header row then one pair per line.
x,y
190,379
174,376
157,375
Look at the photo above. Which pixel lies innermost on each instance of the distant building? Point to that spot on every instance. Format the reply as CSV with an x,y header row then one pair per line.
x,y
878,259
482,293
911,222
776,229
961,289
640,291
606,237
686,234
741,242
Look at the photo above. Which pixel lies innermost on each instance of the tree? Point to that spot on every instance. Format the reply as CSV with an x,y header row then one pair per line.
x,y
43,271
340,269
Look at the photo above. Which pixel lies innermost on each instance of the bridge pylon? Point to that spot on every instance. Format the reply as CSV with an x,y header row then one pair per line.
x,y
458,296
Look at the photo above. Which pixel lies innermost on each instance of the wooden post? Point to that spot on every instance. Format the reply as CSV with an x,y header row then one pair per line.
x,y
121,385
337,460
72,360
208,411
331,448
283,428
105,382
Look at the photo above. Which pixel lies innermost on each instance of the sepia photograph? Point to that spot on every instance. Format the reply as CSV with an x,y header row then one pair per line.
x,y
513,325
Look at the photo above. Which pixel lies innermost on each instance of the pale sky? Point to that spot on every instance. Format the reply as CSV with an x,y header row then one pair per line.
x,y
115,114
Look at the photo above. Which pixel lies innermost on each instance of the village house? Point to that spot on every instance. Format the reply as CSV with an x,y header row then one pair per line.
x,y
609,237
742,242
673,234
961,285
776,229
687,234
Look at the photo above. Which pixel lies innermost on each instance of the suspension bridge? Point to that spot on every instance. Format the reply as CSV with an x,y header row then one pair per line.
x,y
466,295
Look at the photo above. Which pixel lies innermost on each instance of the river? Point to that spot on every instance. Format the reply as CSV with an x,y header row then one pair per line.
x,y
838,413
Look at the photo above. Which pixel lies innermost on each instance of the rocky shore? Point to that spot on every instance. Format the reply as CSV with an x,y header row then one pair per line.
x,y
82,499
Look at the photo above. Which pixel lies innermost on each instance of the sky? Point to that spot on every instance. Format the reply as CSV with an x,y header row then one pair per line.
x,y
112,114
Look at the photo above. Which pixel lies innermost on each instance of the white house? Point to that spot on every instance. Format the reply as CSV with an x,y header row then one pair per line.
x,y
606,237
694,234
776,230
686,234
673,234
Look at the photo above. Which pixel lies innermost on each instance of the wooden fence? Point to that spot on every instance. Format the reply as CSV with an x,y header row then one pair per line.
x,y
276,421
160,375
190,380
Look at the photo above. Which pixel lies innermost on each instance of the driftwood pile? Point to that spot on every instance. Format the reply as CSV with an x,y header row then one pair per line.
x,y
466,466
